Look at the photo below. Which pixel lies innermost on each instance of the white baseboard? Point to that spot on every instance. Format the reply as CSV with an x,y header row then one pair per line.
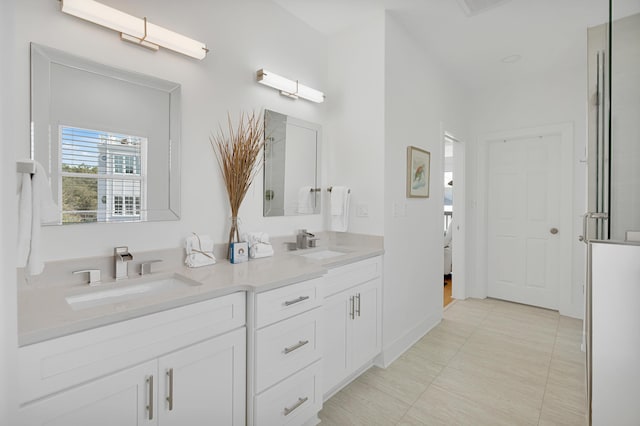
x,y
328,393
395,349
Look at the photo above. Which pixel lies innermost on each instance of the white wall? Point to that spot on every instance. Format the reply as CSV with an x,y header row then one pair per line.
x,y
8,219
356,119
243,36
557,96
420,102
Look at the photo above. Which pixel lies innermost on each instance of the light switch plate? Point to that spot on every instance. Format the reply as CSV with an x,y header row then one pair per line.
x,y
362,210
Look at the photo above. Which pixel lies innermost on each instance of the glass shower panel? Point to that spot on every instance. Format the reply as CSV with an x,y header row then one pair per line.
x,y
624,209
614,128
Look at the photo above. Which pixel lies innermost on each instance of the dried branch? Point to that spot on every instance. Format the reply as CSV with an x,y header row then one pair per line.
x,y
238,157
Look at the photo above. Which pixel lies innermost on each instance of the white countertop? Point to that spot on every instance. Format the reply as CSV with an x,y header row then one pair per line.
x,y
44,314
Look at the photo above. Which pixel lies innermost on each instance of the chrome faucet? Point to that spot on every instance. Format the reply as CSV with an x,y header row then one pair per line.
x,y
304,239
122,257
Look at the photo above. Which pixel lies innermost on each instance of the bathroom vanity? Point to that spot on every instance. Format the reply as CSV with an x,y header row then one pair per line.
x,y
259,343
167,368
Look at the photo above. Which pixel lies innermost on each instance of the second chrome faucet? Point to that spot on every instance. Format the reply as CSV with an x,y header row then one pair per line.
x,y
122,257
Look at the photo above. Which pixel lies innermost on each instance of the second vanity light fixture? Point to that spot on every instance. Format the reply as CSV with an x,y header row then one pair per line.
x,y
134,29
290,88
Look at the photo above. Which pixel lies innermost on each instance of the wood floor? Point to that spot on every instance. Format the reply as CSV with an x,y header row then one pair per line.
x,y
488,362
447,290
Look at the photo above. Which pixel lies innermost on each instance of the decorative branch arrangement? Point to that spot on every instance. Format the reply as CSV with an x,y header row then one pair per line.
x,y
239,161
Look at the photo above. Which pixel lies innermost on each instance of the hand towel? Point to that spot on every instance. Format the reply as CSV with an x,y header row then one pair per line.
x,y
305,200
259,245
340,200
36,207
258,250
199,250
338,193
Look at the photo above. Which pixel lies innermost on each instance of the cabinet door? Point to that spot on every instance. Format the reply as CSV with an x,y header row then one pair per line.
x,y
204,384
118,399
365,339
335,359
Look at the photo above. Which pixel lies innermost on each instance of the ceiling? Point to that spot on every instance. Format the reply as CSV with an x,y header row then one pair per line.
x,y
544,33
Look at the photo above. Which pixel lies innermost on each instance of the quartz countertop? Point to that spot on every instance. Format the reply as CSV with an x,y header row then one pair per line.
x,y
43,312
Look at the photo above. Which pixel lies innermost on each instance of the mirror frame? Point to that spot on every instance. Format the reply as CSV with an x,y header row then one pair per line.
x,y
42,57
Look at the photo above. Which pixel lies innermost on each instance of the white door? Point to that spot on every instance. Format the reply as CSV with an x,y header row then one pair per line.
x,y
205,383
524,220
337,313
458,239
365,342
118,399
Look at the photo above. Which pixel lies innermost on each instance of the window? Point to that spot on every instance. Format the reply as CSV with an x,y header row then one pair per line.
x,y
117,205
98,165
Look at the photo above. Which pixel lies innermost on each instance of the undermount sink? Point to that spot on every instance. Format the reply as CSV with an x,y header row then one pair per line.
x,y
122,292
323,254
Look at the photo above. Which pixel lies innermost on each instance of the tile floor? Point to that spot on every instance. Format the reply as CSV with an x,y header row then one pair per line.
x,y
488,362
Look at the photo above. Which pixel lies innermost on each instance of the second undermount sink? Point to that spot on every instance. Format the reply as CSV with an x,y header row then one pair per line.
x,y
323,254
122,292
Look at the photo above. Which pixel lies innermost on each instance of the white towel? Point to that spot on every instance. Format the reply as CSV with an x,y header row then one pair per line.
x,y
305,200
259,245
340,199
35,207
199,250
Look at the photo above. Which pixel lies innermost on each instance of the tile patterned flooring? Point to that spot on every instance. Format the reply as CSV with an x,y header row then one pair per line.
x,y
488,362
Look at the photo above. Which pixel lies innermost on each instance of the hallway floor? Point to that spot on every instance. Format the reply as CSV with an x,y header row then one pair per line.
x,y
488,362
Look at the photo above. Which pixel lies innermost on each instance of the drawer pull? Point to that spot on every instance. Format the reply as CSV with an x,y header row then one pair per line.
x,y
358,306
294,301
301,401
298,345
170,397
150,406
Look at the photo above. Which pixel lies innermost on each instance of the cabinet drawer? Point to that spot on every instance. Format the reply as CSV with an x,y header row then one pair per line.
x,y
53,365
344,277
291,402
286,347
287,301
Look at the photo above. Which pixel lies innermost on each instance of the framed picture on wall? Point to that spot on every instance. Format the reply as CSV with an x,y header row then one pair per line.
x,y
418,169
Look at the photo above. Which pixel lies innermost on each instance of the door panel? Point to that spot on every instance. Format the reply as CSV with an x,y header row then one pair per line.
x,y
208,383
118,399
366,325
524,206
334,358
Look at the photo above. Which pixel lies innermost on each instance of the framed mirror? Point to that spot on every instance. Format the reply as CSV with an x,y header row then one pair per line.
x,y
108,138
291,166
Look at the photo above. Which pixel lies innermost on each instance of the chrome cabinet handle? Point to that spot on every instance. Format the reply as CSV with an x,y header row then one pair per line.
x,y
170,397
301,401
150,405
294,301
352,308
358,308
298,345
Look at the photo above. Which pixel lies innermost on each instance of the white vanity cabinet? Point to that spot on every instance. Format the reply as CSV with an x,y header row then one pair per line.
x,y
185,366
352,320
285,352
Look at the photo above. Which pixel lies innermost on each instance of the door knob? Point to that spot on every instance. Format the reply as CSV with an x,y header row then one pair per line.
x,y
554,231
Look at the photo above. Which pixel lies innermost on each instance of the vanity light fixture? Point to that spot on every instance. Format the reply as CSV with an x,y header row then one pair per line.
x,y
290,88
133,29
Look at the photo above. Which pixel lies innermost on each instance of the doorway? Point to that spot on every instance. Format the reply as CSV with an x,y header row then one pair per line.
x,y
453,229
